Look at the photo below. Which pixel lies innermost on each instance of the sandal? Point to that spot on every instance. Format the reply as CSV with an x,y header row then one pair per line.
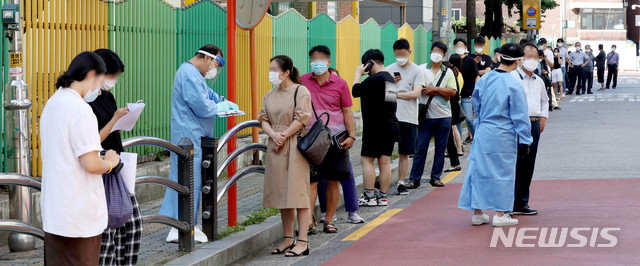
x,y
277,251
330,228
293,254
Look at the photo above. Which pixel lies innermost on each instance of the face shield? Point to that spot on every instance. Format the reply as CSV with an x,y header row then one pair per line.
x,y
214,71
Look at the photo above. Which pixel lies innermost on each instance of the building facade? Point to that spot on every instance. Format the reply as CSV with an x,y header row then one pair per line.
x,y
418,12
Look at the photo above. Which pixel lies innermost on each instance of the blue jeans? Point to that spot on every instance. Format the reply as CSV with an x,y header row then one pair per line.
x,y
349,193
467,107
431,128
566,78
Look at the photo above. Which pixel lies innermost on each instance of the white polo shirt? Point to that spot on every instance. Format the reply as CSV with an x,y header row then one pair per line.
x,y
72,200
537,99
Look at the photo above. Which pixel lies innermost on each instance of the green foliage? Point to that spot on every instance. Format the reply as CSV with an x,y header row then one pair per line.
x,y
544,6
259,216
230,230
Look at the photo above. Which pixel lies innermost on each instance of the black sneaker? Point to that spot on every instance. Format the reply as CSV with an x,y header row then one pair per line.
x,y
468,141
402,190
525,211
436,183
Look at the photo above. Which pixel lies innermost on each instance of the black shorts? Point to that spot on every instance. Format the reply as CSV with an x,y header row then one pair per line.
x,y
377,148
601,75
408,138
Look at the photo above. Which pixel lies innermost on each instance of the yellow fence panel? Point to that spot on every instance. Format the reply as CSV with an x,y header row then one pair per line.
x,y
406,32
264,52
348,56
55,32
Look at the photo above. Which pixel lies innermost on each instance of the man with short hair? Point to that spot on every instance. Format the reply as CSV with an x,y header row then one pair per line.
x,y
435,120
600,62
504,131
548,53
563,55
577,61
588,70
538,111
380,125
612,65
409,82
470,74
482,60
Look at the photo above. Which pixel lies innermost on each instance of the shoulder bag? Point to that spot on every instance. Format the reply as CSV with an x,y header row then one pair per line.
x,y
315,144
119,204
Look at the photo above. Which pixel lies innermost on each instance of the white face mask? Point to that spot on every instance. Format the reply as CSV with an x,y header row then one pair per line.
x,y
402,60
578,48
479,50
91,95
108,84
211,73
560,44
274,78
460,50
539,60
613,49
436,57
530,64
541,47
555,54
588,50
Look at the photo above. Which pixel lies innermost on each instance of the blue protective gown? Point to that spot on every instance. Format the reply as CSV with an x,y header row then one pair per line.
x,y
501,118
193,109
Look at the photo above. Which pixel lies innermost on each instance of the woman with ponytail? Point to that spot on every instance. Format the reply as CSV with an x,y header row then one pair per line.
x,y
286,111
74,207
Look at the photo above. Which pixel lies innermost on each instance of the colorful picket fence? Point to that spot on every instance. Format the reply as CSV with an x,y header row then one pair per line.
x,y
154,39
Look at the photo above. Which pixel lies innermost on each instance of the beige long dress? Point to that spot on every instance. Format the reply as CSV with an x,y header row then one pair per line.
x,y
286,177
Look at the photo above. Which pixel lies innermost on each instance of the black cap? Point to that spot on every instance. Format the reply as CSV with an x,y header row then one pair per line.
x,y
542,40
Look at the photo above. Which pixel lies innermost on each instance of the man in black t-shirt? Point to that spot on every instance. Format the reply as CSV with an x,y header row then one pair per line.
x,y
482,60
380,126
469,75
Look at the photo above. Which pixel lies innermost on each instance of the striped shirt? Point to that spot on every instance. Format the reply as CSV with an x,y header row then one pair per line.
x,y
439,107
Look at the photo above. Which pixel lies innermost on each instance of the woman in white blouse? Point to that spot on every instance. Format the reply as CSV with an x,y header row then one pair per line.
x,y
74,207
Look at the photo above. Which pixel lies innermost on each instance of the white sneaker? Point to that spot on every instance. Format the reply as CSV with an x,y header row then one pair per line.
x,y
199,236
366,201
505,220
172,237
478,219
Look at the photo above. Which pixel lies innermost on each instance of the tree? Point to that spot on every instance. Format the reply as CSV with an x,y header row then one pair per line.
x,y
493,19
471,21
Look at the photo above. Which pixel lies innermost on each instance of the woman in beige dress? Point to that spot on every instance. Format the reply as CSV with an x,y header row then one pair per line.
x,y
286,178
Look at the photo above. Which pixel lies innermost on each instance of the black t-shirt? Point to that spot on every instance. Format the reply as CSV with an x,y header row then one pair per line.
x,y
469,73
485,61
556,62
104,107
378,104
495,65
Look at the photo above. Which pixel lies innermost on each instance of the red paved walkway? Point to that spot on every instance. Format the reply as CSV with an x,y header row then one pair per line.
x,y
433,231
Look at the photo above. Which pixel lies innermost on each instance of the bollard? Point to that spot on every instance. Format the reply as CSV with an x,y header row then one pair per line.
x,y
185,202
209,187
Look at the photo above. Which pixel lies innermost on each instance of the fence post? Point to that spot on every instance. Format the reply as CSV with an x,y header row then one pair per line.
x,y
209,187
185,202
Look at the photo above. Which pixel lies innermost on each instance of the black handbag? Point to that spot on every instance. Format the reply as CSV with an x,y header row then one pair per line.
x,y
423,109
315,144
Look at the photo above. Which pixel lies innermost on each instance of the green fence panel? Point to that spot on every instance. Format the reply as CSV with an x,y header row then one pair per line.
x,y
369,36
420,52
429,44
388,35
290,38
143,33
198,24
322,31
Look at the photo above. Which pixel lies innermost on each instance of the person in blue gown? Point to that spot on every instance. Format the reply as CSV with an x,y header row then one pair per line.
x,y
502,129
193,109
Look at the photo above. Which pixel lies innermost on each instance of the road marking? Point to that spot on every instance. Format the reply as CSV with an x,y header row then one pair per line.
x,y
371,225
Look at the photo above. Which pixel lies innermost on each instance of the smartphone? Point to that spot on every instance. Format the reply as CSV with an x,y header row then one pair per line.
x,y
339,138
368,67
397,74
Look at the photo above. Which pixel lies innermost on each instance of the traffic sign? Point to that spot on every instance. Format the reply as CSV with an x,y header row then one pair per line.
x,y
531,14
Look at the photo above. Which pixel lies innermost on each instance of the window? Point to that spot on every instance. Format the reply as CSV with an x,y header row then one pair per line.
x,y
332,10
602,19
283,7
456,13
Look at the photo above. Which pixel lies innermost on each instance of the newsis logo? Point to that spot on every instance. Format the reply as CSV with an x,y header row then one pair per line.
x,y
554,237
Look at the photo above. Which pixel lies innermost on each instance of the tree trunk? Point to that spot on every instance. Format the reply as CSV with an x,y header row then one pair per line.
x,y
488,19
493,19
471,21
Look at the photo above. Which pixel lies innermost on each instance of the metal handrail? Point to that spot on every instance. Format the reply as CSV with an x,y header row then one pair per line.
x,y
163,181
236,177
235,154
15,226
233,131
166,220
13,179
152,141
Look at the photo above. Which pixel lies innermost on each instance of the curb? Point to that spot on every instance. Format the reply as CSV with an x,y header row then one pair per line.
x,y
255,237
